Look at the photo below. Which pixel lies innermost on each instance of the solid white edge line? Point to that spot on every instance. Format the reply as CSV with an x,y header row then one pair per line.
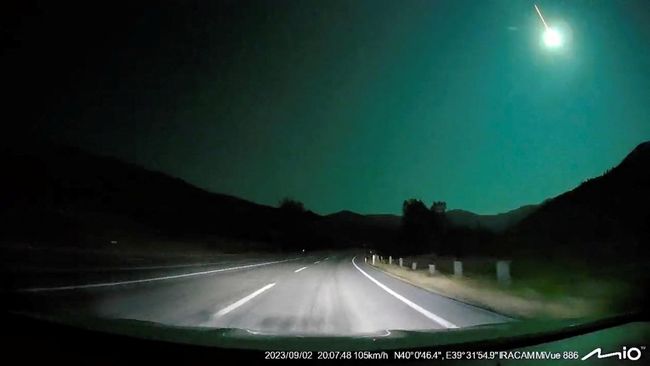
x,y
299,269
144,280
414,306
316,262
242,301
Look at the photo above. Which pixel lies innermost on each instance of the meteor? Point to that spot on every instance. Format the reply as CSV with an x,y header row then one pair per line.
x,y
551,37
541,16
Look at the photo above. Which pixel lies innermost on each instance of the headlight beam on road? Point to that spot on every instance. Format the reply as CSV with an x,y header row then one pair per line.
x,y
411,304
242,301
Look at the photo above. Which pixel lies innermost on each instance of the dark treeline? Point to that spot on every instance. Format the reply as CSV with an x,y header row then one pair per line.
x,y
427,230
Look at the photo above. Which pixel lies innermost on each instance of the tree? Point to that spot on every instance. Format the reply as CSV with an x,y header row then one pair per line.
x,y
439,207
289,205
415,226
439,225
293,226
423,229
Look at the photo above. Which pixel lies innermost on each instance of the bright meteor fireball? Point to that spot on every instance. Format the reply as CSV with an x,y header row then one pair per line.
x,y
552,37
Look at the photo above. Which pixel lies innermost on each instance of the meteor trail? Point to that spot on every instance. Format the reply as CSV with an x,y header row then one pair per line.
x,y
540,16
551,37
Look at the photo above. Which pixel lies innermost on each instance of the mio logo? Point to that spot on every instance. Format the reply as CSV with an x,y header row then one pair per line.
x,y
632,353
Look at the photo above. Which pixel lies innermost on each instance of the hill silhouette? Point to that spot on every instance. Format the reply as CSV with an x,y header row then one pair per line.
x,y
606,216
362,230
60,194
494,223
457,218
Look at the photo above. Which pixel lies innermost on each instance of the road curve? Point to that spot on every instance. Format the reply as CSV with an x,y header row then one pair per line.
x,y
329,293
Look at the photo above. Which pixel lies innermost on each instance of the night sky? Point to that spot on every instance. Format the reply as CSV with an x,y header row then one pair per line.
x,y
340,104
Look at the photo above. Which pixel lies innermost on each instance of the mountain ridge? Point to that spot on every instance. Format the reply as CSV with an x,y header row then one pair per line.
x,y
604,216
67,193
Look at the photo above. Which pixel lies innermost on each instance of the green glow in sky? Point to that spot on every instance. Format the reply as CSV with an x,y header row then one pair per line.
x,y
361,104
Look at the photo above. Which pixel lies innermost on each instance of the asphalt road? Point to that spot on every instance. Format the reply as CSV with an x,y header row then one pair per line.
x,y
328,293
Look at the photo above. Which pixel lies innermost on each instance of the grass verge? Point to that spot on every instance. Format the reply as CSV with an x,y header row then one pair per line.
x,y
525,298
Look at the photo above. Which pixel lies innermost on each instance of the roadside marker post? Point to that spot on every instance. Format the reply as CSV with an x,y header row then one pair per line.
x,y
503,273
458,268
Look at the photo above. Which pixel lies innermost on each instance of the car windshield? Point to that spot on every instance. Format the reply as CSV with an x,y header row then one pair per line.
x,y
353,168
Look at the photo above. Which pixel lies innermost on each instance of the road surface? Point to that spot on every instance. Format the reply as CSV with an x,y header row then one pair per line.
x,y
327,294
